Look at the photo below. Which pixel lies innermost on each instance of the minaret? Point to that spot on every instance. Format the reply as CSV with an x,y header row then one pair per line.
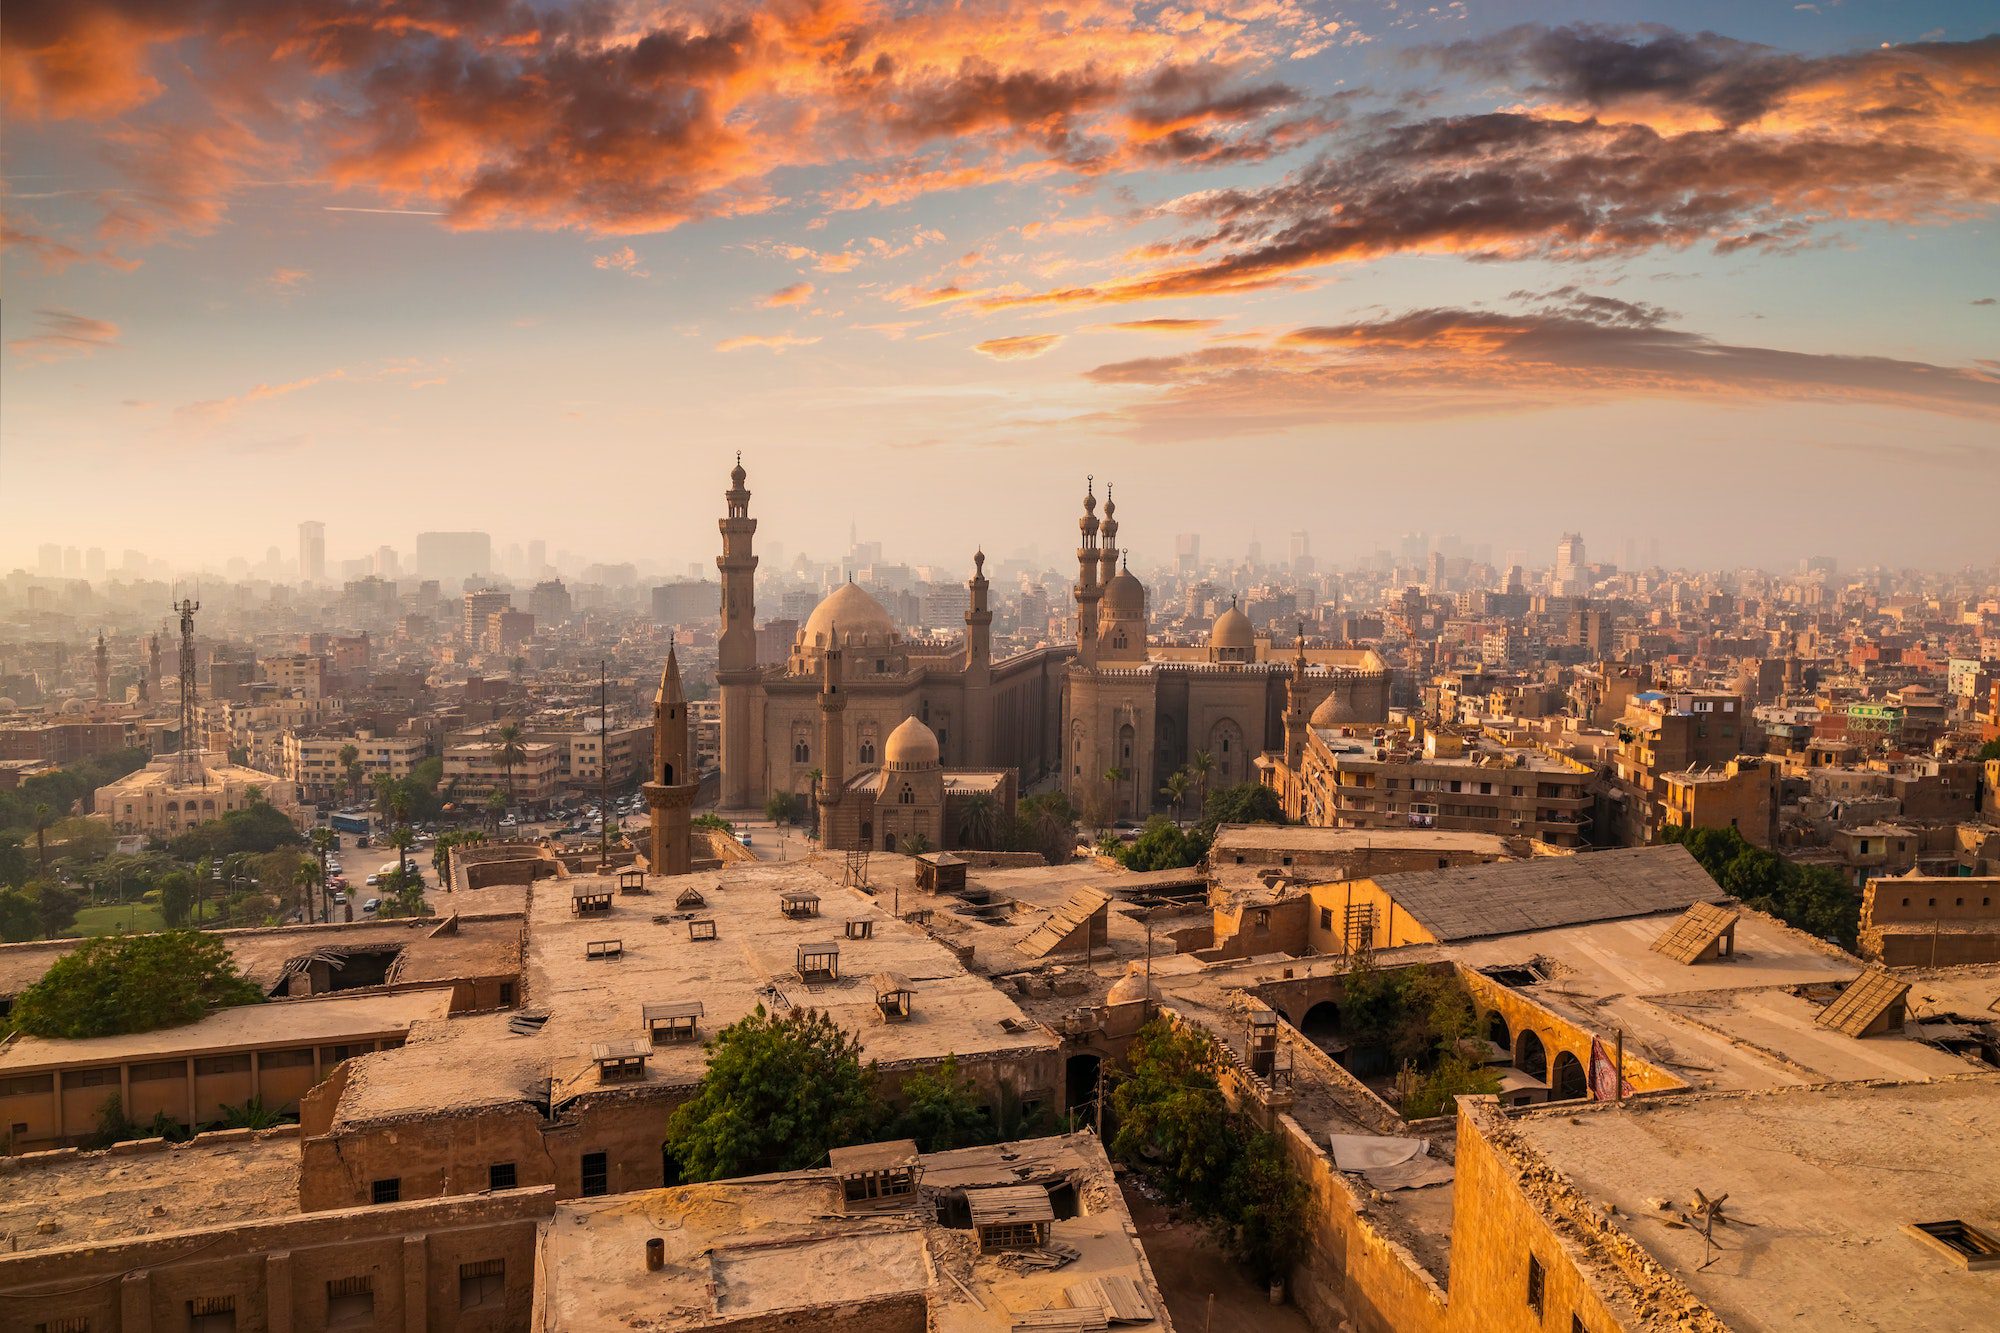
x,y
1296,714
978,669
153,668
671,792
1107,541
736,651
1088,590
103,670
832,735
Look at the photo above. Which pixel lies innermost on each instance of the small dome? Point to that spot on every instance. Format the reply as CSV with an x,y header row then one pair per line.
x,y
7,705
71,706
1125,593
853,614
910,745
1335,709
1232,630
1132,988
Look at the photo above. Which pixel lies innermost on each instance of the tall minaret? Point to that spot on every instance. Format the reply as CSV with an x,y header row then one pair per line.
x,y
671,792
103,670
736,651
1296,715
1088,590
1107,541
978,669
832,734
153,668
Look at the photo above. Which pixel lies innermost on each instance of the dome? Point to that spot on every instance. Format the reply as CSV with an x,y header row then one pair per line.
x,y
1334,710
1232,630
7,705
1132,988
1125,593
71,706
851,612
910,745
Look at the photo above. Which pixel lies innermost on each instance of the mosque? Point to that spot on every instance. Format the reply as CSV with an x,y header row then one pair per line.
x,y
894,738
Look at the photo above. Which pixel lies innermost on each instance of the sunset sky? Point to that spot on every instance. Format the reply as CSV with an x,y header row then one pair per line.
x,y
1721,275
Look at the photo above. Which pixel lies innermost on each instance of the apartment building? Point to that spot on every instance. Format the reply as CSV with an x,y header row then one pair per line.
x,y
533,779
312,762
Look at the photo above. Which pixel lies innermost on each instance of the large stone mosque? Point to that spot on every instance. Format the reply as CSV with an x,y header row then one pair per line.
x,y
889,735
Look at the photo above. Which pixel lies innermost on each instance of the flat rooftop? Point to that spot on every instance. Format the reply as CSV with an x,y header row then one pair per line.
x,y
482,944
479,1060
1827,1179
1510,897
1243,839
327,1020
1742,1022
111,1196
778,1247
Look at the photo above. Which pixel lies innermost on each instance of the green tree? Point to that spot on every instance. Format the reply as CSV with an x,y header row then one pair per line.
x,y
979,822
942,1110
1813,898
14,866
351,769
18,919
44,819
56,906
1201,766
250,1115
1175,791
133,983
312,881
1161,845
1114,780
512,752
1990,750
1049,825
496,807
258,827
777,1094
1173,1121
1244,803
176,897
1264,1211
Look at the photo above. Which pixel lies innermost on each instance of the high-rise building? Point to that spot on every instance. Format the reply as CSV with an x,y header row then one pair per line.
x,y
1187,553
1570,565
451,557
312,552
48,559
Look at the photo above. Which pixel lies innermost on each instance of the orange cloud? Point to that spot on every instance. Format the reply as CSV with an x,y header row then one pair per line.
x,y
770,342
1566,347
64,335
1163,325
622,260
1021,347
796,294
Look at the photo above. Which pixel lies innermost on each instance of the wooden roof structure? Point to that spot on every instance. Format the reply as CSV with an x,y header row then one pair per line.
x,y
1059,931
1872,1002
1000,1205
1697,932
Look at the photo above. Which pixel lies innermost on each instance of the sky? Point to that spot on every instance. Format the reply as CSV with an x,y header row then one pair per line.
x,y
1723,277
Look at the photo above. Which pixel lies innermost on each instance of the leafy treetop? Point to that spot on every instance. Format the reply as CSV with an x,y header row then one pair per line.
x,y
133,983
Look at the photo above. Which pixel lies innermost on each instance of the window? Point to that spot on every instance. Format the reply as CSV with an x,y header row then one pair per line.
x,y
26,1084
73,1324
296,1058
596,1175
387,1191
506,995
500,1176
101,1077
482,1285
1961,1240
350,1301
1326,918
1535,1282
212,1314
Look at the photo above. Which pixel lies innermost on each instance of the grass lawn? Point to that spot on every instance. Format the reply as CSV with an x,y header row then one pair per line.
x,y
114,917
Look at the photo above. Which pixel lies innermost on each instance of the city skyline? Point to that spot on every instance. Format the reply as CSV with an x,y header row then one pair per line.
x,y
1683,273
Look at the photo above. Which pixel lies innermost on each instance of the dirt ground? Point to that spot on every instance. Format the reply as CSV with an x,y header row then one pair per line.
x,y
1189,1267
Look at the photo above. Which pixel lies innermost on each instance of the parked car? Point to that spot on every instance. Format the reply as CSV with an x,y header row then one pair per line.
x,y
743,838
371,906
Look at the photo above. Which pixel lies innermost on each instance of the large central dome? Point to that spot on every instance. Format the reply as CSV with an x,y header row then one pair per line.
x,y
850,612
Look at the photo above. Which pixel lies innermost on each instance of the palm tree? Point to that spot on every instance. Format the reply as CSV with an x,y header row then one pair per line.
x,y
44,820
980,822
812,803
400,838
512,752
1176,792
1201,766
496,806
323,843
311,877
1114,777
350,767
1055,832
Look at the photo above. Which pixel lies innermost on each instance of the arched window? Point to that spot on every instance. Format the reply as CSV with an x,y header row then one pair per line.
x,y
906,796
801,752
1530,1056
867,750
1568,1084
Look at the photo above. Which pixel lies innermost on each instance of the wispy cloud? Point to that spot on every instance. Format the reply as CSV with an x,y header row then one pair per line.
x,y
287,280
622,260
770,342
1020,347
1162,325
796,294
1561,348
64,334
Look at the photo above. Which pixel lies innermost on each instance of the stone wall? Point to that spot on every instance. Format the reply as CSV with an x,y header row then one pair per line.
x,y
277,1272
